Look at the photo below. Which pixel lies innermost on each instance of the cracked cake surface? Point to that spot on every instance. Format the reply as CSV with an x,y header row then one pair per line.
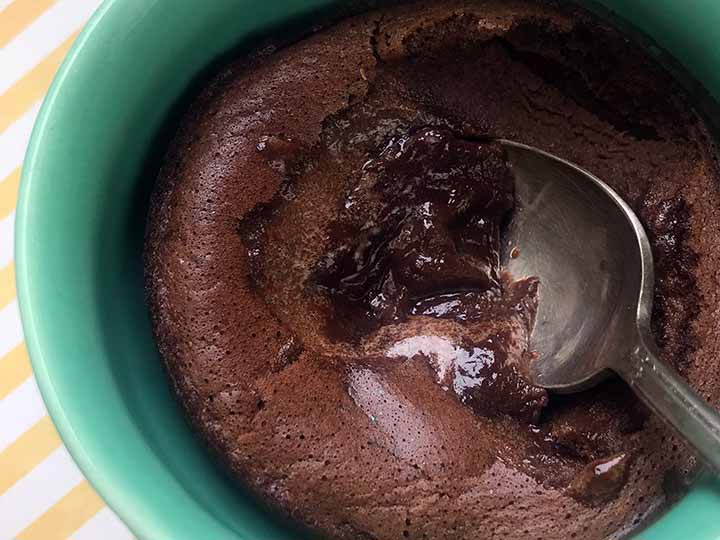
x,y
322,269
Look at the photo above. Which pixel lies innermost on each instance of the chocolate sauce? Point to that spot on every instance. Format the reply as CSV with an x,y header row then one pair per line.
x,y
419,227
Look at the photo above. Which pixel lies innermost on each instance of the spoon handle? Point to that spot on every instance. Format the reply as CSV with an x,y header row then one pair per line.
x,y
665,391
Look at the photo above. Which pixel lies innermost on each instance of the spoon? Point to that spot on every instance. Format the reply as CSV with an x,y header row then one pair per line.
x,y
595,266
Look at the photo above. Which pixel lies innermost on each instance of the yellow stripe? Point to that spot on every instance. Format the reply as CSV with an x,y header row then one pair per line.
x,y
7,285
67,516
14,370
9,193
19,15
25,453
20,97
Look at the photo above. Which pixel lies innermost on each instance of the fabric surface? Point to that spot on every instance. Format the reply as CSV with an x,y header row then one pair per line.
x,y
43,495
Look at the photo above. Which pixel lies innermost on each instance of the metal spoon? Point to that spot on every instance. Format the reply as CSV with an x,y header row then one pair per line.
x,y
595,267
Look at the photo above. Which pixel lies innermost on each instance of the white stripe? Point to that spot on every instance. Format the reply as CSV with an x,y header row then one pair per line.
x,y
43,36
7,230
10,328
4,4
105,525
14,141
34,494
19,411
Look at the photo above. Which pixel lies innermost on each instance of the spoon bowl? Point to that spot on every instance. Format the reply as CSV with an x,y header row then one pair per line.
x,y
595,266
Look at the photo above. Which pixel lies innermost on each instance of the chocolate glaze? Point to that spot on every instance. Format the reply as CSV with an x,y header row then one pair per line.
x,y
386,422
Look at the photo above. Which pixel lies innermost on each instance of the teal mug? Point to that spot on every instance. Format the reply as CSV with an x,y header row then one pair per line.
x,y
79,264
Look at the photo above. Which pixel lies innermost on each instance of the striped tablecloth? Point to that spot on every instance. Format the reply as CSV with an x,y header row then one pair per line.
x,y
43,495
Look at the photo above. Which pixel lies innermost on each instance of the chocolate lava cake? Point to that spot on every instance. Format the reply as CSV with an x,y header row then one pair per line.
x,y
322,269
